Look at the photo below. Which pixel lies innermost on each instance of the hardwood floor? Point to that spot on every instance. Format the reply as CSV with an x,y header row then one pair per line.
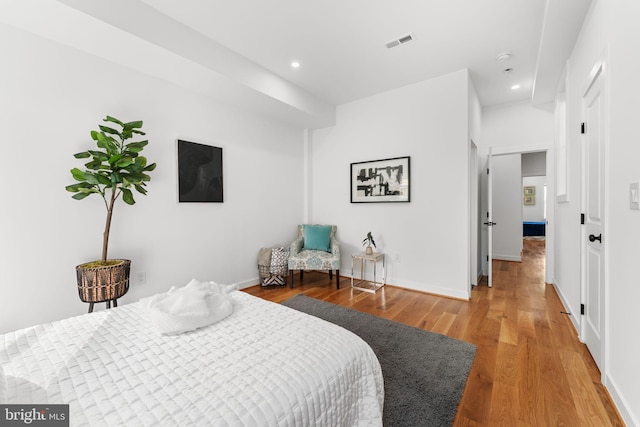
x,y
530,369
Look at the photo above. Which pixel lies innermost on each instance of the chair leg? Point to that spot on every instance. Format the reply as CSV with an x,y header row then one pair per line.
x,y
115,302
330,274
90,307
337,279
301,274
291,279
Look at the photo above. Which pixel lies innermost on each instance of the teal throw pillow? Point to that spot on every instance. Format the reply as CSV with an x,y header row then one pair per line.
x,y
317,237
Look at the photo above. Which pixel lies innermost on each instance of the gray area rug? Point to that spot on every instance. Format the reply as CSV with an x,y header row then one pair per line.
x,y
424,373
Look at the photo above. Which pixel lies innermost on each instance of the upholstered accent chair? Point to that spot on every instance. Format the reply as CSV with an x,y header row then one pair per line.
x,y
316,248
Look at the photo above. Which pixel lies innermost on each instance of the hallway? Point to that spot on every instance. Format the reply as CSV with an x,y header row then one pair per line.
x,y
541,374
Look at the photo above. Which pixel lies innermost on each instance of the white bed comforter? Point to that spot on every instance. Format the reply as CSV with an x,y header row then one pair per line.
x,y
264,365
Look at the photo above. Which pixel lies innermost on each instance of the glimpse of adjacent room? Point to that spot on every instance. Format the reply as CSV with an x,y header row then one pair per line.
x,y
519,203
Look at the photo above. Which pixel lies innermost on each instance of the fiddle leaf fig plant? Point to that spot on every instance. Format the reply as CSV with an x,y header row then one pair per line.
x,y
115,169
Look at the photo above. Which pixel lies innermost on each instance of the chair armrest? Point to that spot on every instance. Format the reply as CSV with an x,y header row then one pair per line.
x,y
296,246
335,248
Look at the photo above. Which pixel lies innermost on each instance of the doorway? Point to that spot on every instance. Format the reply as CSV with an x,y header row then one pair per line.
x,y
510,220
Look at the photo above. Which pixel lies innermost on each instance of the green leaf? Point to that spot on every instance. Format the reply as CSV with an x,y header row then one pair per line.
x,y
127,196
107,129
140,189
116,178
114,159
149,168
139,132
78,175
126,161
113,120
141,162
132,125
80,196
93,165
82,155
107,145
91,178
99,154
103,179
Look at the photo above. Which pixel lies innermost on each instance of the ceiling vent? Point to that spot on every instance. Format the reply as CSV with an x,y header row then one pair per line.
x,y
400,40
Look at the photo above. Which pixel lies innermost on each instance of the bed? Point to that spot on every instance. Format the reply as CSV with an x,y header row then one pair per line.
x,y
265,364
533,228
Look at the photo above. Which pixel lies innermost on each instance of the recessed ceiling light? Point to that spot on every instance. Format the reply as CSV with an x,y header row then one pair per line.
x,y
295,64
514,87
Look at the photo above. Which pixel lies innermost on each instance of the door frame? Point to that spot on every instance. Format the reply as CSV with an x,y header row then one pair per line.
x,y
474,229
550,229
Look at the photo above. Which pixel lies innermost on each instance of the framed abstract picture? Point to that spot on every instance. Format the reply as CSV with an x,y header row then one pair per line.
x,y
381,181
199,173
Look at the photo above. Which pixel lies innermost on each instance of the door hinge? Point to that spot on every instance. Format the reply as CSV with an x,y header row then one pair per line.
x,y
581,219
582,309
487,257
487,171
582,128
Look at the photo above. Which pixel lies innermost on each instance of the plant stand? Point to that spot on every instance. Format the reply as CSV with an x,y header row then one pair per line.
x,y
103,283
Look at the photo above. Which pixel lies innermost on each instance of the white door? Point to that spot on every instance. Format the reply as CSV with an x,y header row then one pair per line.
x,y
593,202
489,223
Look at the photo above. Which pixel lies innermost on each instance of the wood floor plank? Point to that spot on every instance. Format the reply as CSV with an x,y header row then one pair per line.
x,y
530,368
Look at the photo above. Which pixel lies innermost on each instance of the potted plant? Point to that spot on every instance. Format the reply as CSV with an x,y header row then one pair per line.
x,y
369,241
115,169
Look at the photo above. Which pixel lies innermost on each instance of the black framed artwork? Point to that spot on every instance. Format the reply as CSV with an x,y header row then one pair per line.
x,y
380,181
199,172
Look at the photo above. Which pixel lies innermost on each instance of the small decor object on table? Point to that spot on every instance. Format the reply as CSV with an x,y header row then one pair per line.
x,y
115,169
369,241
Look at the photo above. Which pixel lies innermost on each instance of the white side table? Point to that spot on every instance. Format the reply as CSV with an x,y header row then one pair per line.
x,y
367,285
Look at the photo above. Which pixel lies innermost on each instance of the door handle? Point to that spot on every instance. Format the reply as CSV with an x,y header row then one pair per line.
x,y
490,223
593,238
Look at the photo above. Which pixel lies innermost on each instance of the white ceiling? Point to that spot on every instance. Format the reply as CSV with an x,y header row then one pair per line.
x,y
339,43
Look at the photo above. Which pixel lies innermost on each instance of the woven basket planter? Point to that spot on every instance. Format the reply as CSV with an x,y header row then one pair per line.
x,y
103,283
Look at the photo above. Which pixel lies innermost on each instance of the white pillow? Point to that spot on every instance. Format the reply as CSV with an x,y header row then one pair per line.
x,y
3,387
193,306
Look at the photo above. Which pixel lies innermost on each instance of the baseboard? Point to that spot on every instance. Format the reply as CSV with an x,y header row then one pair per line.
x,y
429,289
248,283
621,403
567,307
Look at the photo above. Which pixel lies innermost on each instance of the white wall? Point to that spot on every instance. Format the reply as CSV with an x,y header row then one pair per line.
x,y
512,129
624,224
534,212
609,33
426,240
507,207
52,96
534,164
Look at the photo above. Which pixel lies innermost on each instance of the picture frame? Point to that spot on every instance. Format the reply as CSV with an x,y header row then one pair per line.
x,y
529,200
381,181
200,176
529,190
